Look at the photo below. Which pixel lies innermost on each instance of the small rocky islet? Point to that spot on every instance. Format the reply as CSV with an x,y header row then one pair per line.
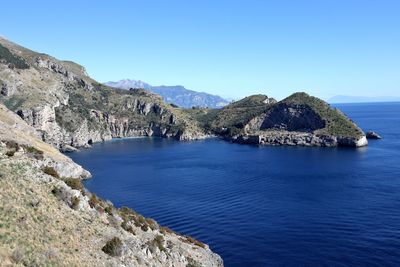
x,y
373,135
50,106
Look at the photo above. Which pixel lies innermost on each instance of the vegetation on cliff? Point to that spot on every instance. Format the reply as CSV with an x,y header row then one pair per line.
x,y
47,217
259,114
60,100
14,61
232,118
337,124
71,109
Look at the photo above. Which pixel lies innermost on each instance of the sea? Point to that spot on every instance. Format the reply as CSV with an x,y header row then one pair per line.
x,y
266,206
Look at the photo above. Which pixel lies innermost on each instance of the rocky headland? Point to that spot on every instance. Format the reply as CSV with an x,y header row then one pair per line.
x,y
298,120
49,218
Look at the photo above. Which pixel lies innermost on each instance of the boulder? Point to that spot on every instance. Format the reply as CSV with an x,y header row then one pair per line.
x,y
373,135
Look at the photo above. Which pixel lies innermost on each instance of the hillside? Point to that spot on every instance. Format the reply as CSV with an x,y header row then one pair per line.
x,y
299,119
70,109
232,118
48,218
177,95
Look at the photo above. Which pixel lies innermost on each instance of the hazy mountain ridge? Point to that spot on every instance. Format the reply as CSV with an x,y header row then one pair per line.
x,y
177,94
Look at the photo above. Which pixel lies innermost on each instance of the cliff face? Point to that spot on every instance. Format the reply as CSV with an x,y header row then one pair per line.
x,y
49,219
70,109
15,131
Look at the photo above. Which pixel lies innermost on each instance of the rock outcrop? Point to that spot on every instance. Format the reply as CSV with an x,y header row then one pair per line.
x,y
14,130
286,138
373,135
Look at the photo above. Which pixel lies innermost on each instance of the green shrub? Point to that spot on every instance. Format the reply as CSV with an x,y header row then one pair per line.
x,y
195,242
13,61
141,219
31,149
157,242
36,153
152,224
75,184
51,171
127,227
144,227
12,145
165,230
113,247
192,263
10,153
56,191
93,201
75,202
109,209
126,211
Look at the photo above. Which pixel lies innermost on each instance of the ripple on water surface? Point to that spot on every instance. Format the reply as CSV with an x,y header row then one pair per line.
x,y
268,206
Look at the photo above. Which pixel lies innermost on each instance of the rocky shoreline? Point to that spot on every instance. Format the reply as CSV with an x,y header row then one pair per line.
x,y
50,219
282,138
71,110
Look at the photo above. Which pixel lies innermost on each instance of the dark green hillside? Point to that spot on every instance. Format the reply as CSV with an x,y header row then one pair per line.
x,y
7,57
298,112
232,118
337,123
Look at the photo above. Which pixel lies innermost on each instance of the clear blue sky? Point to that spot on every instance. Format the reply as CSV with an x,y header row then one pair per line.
x,y
231,48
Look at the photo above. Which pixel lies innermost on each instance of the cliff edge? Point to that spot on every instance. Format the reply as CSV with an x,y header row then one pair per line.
x,y
48,218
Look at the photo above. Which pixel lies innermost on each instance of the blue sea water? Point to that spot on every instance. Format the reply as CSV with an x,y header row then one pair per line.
x,y
266,206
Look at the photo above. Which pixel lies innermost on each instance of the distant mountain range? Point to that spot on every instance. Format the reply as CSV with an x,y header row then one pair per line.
x,y
362,99
177,94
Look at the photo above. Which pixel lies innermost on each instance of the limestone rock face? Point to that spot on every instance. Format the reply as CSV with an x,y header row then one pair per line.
x,y
14,129
7,90
286,138
43,119
292,117
69,109
49,64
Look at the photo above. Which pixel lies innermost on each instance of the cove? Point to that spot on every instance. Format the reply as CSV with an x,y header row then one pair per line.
x,y
265,206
